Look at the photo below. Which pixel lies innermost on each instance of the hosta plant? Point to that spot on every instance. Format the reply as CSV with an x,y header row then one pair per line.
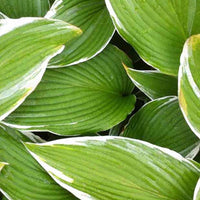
x,y
99,99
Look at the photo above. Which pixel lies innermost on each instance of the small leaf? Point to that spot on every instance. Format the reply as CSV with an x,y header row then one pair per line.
x,y
91,97
23,178
189,83
197,191
161,122
116,168
153,83
157,29
27,44
24,8
93,18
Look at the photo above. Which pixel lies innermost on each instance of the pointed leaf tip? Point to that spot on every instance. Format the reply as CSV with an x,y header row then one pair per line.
x,y
102,168
27,45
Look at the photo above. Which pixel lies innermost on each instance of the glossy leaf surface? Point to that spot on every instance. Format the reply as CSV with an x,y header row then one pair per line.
x,y
90,97
157,29
27,44
161,122
93,18
120,169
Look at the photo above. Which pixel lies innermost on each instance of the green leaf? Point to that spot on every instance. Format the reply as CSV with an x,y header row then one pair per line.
x,y
189,83
197,191
27,44
24,8
23,178
161,122
2,164
90,97
116,168
93,18
153,83
156,29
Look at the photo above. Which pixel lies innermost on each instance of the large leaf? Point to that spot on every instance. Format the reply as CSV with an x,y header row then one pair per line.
x,y
90,97
24,8
189,83
197,191
27,44
161,122
93,18
153,83
157,29
116,168
23,178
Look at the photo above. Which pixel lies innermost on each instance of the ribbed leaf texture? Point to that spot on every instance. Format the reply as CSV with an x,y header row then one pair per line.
x,y
161,122
23,178
27,45
90,97
157,29
24,8
117,168
93,18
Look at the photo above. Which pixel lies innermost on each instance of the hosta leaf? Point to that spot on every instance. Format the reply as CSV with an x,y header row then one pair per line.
x,y
189,83
93,96
161,122
23,178
93,18
24,8
197,191
27,44
157,29
153,83
116,168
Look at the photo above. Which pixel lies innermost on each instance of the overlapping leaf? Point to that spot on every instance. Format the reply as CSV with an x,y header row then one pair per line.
x,y
153,83
91,97
161,122
27,44
119,168
23,178
189,83
93,18
157,29
24,8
